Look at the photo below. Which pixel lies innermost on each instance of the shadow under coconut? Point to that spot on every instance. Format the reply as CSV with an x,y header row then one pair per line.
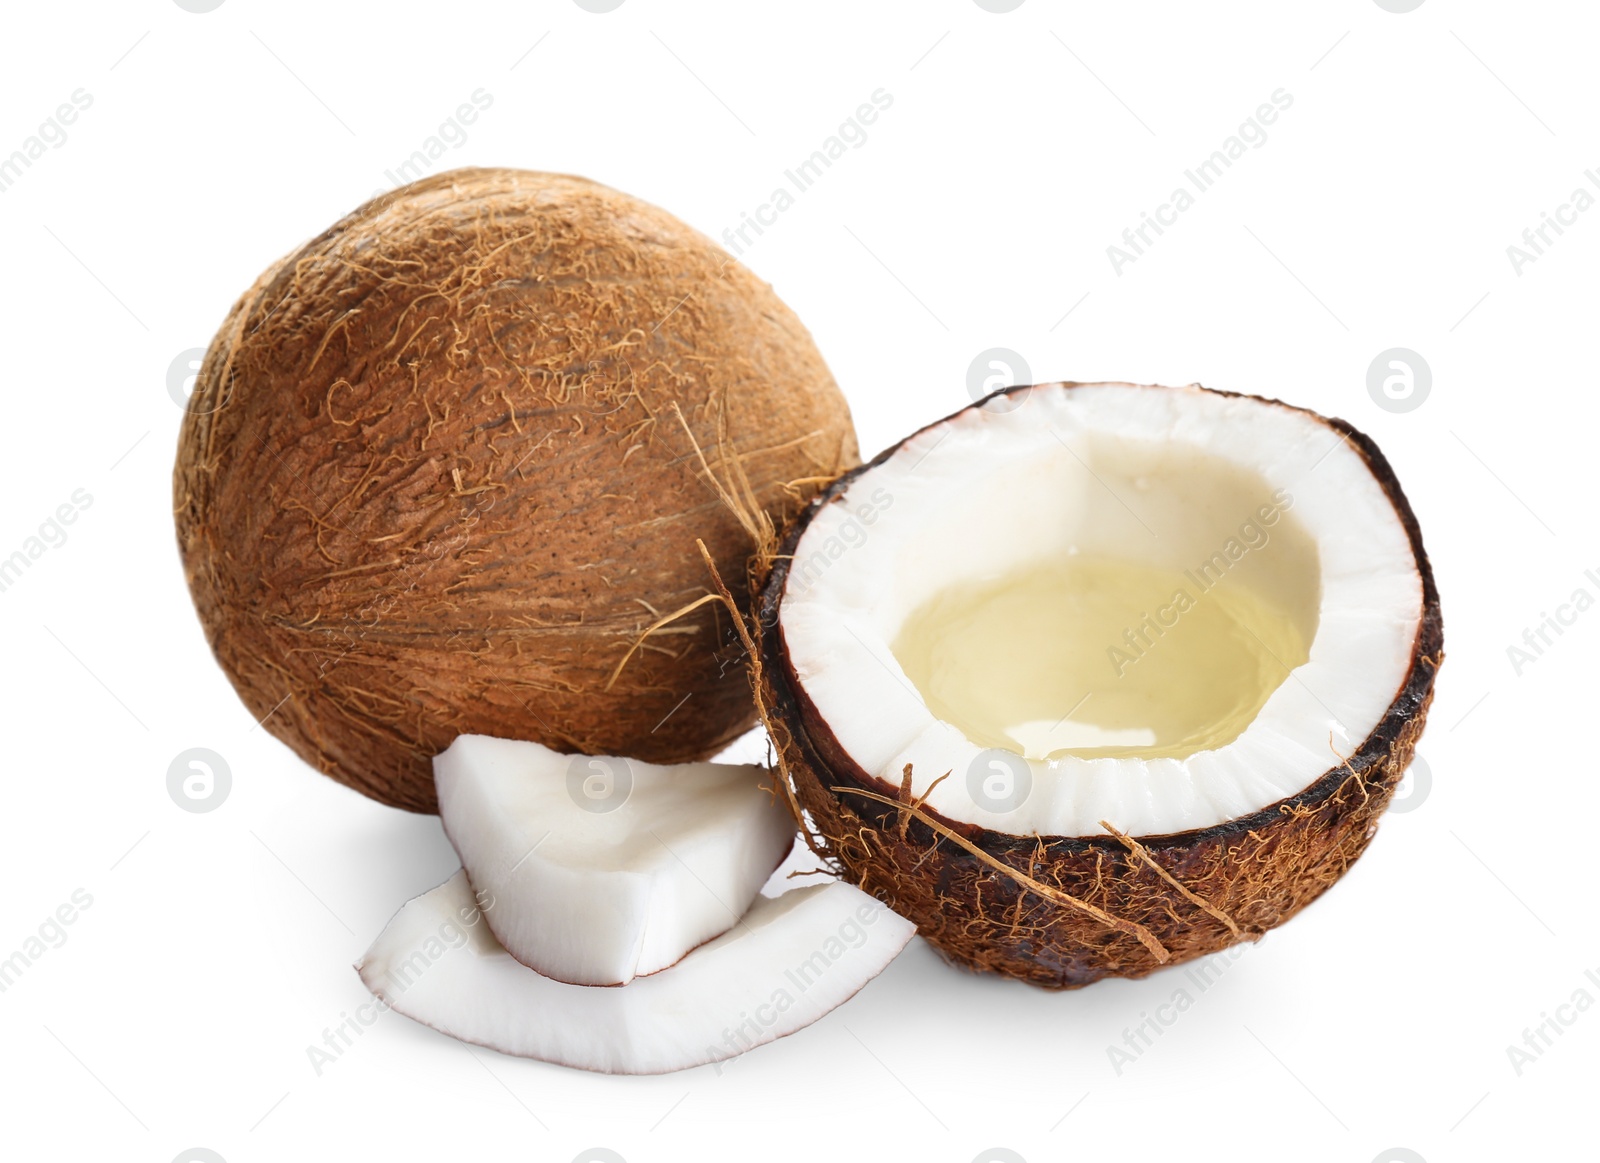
x,y
391,856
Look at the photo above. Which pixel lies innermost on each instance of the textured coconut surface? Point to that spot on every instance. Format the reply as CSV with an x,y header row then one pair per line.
x,y
445,463
1064,911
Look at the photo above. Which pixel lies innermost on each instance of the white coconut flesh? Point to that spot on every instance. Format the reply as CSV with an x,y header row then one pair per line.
x,y
604,869
789,961
1163,608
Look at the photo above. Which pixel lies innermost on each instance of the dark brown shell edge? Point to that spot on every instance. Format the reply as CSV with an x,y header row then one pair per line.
x,y
1259,869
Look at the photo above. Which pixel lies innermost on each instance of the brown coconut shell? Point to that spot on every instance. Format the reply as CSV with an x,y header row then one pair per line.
x,y
447,462
1064,911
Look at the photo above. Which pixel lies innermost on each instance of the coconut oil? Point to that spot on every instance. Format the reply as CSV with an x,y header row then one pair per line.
x,y
1095,656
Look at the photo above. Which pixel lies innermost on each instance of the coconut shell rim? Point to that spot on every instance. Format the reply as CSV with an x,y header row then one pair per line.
x,y
1411,698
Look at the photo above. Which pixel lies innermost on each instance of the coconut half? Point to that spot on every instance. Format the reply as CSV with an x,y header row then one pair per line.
x,y
788,962
603,869
1090,678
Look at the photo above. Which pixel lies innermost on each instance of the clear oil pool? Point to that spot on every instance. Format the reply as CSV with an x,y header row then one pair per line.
x,y
1099,657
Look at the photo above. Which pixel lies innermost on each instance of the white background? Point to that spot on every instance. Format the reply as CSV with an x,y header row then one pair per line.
x,y
1419,146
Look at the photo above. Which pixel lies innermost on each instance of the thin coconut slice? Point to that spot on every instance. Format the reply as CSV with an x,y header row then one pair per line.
x,y
788,962
603,869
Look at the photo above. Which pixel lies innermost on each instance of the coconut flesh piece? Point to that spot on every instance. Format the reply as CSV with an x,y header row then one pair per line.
x,y
604,869
1229,494
790,960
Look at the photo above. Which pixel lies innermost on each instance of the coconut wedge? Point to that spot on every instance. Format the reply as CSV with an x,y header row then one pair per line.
x,y
603,869
788,962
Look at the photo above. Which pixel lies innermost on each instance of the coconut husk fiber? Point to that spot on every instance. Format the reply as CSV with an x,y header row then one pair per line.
x,y
445,463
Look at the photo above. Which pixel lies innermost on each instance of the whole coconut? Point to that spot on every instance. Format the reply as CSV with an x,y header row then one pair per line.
x,y
436,477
